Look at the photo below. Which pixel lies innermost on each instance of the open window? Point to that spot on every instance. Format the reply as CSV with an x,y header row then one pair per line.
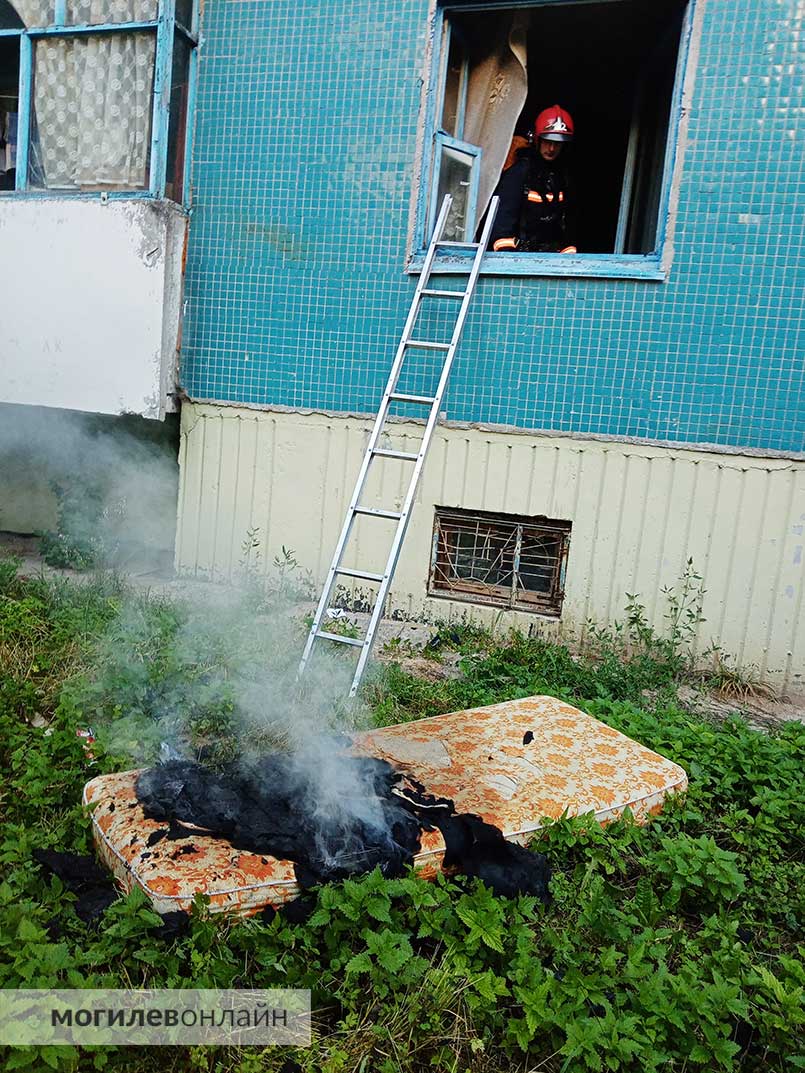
x,y
94,94
9,95
615,65
456,171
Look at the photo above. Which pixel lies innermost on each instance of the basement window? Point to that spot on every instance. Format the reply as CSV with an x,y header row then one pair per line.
x,y
500,560
93,96
615,65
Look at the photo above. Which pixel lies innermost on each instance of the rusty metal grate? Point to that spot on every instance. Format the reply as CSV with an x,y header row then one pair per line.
x,y
499,559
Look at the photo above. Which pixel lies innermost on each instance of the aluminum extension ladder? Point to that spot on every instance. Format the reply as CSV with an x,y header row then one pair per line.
x,y
373,450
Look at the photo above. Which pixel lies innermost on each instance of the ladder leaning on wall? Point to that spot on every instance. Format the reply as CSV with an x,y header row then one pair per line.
x,y
417,459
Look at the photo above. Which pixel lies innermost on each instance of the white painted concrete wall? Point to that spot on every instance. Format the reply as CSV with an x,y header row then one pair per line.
x,y
90,293
639,512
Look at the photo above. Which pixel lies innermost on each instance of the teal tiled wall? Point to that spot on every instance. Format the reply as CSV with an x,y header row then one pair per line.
x,y
302,174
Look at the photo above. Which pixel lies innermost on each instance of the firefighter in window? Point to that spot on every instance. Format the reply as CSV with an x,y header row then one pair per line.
x,y
535,214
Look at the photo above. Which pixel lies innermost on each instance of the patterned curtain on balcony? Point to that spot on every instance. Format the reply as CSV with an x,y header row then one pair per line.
x,y
92,98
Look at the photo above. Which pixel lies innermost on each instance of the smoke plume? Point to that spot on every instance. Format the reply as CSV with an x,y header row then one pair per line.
x,y
104,489
196,672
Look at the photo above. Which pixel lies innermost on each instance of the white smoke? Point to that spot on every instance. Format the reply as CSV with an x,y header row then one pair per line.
x,y
107,482
222,687
206,672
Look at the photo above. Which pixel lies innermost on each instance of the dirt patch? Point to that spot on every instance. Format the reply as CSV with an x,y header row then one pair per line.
x,y
396,641
142,568
763,713
427,669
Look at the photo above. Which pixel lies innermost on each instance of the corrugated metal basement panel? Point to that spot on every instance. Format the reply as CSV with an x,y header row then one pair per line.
x,y
638,512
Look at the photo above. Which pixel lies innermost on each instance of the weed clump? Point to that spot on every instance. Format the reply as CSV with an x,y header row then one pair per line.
x,y
628,660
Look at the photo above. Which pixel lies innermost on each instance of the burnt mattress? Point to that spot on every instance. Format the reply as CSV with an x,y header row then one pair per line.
x,y
517,765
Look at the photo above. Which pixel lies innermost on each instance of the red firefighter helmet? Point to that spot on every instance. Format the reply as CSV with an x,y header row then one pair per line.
x,y
554,124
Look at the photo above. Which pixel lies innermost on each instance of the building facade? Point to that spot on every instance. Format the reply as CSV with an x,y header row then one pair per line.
x,y
613,414
651,397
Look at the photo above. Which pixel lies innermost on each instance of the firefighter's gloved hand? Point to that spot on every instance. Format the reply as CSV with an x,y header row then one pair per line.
x,y
504,244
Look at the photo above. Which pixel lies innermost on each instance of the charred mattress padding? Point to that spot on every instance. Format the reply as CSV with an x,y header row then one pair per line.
x,y
374,818
483,760
270,806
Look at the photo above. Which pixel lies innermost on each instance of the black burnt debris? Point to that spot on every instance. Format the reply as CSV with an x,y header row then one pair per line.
x,y
273,805
95,891
82,876
476,848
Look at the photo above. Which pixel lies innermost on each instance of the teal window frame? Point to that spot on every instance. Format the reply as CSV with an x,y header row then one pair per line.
x,y
167,30
643,266
444,141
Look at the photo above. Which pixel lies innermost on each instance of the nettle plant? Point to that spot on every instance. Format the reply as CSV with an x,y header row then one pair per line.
x,y
699,875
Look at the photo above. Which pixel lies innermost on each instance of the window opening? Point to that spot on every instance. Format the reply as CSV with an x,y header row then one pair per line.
x,y
184,13
611,65
19,13
102,102
9,109
500,560
177,123
484,89
651,119
9,17
91,112
455,85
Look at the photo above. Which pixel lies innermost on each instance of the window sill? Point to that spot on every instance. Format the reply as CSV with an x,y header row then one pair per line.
x,y
479,599
595,265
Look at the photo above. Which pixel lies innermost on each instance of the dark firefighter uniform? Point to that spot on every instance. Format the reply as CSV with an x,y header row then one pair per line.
x,y
536,211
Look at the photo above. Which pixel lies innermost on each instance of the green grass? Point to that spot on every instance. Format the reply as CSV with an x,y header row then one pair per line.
x,y
670,947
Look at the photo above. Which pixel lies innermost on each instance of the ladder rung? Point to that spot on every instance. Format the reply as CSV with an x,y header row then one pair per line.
x,y
338,637
395,514
397,397
406,456
444,294
464,245
365,575
426,344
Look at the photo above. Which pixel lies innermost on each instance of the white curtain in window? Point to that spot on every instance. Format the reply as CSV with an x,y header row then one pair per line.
x,y
92,101
95,11
41,12
34,12
496,94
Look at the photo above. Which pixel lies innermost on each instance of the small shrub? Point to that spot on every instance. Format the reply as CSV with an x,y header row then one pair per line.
x,y
697,874
78,541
